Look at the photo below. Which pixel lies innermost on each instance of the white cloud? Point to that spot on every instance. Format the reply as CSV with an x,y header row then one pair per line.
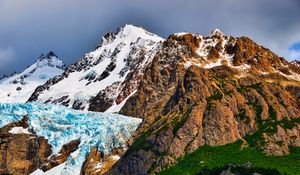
x,y
6,55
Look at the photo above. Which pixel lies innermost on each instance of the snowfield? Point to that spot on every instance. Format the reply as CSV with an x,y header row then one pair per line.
x,y
19,87
131,49
61,125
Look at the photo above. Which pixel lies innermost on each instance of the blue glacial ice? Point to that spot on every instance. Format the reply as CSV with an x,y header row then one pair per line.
x,y
61,125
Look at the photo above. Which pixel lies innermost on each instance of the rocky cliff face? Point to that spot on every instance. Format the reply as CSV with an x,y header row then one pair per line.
x,y
211,90
97,163
21,153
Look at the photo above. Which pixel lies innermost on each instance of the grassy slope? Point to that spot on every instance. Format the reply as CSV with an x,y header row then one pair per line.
x,y
220,156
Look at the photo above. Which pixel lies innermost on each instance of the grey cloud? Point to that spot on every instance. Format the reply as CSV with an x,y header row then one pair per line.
x,y
6,55
72,27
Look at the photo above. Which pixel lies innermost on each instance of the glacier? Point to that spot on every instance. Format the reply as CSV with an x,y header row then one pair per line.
x,y
61,125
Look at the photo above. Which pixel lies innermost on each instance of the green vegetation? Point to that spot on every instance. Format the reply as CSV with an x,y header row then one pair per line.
x,y
281,101
180,120
176,119
138,144
239,169
210,160
217,96
256,86
268,126
242,116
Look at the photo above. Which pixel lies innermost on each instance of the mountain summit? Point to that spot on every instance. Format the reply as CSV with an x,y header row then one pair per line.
x,y
19,87
105,77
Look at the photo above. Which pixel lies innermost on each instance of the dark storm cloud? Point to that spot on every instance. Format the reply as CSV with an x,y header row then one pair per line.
x,y
72,27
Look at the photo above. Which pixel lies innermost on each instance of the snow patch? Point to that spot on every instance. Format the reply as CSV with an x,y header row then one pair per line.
x,y
181,33
19,130
117,107
115,157
54,171
211,65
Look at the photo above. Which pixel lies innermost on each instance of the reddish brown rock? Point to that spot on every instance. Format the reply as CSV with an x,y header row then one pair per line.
x,y
24,153
21,154
61,157
185,108
97,163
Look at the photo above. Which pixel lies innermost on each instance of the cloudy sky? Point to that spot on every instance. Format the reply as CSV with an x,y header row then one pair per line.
x,y
73,27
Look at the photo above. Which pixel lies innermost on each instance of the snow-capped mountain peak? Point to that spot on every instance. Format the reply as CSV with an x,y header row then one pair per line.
x,y
128,32
112,70
133,32
50,60
19,87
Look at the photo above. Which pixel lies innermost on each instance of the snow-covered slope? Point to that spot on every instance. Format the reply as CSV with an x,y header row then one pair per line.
x,y
106,76
60,125
19,87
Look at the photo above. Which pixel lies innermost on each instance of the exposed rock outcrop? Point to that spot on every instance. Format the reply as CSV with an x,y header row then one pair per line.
x,y
61,157
97,163
185,107
21,153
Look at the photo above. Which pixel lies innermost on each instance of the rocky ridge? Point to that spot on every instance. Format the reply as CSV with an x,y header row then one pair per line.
x,y
211,90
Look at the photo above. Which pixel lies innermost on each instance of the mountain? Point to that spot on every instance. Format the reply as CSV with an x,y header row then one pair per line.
x,y
19,87
212,90
196,95
105,77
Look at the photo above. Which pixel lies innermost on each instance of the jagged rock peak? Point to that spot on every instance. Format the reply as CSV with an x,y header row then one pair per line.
x,y
107,38
295,63
216,32
50,59
49,55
